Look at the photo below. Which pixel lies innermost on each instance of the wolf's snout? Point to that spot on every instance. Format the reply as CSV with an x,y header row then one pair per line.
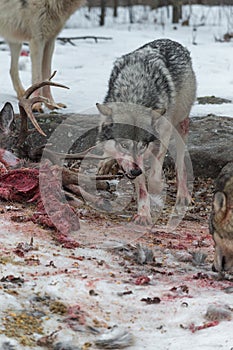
x,y
135,172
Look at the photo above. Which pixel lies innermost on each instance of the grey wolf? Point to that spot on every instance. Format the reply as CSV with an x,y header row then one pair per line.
x,y
151,89
38,23
221,220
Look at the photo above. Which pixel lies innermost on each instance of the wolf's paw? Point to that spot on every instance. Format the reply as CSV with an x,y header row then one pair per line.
x,y
142,219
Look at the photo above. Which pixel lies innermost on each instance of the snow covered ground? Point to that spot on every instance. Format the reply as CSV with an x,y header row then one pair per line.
x,y
91,278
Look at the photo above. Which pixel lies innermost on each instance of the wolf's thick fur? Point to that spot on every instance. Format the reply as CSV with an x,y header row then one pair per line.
x,y
159,77
38,23
221,220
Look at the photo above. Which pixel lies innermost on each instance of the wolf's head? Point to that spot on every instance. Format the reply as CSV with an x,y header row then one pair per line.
x,y
221,220
129,130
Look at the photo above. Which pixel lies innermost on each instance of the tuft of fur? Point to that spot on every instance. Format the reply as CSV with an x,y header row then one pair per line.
x,y
143,255
218,313
115,338
7,346
65,346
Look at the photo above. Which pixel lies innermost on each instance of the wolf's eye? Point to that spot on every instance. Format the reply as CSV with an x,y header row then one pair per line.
x,y
124,144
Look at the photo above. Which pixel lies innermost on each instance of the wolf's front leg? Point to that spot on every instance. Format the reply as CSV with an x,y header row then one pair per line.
x,y
155,182
183,195
155,179
143,216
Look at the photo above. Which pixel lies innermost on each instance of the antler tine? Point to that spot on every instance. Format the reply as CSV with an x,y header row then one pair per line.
x,y
36,86
26,104
25,107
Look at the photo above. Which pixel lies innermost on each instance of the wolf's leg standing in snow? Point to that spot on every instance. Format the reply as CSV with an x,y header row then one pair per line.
x,y
183,197
155,183
143,216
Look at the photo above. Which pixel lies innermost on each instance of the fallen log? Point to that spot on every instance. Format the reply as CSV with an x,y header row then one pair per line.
x,y
70,40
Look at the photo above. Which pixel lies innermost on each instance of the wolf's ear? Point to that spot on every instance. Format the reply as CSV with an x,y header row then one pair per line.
x,y
6,118
104,109
220,202
106,126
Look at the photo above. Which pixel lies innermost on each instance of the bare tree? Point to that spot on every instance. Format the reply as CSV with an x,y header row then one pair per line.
x,y
176,11
131,16
115,6
103,12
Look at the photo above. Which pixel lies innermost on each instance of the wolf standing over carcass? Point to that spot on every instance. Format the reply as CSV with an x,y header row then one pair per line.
x,y
38,23
152,88
221,220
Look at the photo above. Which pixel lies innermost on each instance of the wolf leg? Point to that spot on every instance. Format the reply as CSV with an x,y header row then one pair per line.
x,y
155,183
183,196
143,216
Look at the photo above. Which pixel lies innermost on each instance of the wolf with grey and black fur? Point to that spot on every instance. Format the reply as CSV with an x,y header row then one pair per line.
x,y
152,88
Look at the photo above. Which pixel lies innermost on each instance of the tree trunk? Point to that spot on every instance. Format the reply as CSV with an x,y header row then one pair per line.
x,y
176,11
131,16
103,12
115,6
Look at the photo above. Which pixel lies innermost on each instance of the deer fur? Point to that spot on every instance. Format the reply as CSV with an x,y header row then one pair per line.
x,y
37,22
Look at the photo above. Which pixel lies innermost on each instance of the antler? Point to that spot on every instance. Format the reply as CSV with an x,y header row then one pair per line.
x,y
26,104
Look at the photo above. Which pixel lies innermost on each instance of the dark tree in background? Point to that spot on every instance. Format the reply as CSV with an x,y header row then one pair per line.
x,y
115,6
103,12
174,6
176,11
131,16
